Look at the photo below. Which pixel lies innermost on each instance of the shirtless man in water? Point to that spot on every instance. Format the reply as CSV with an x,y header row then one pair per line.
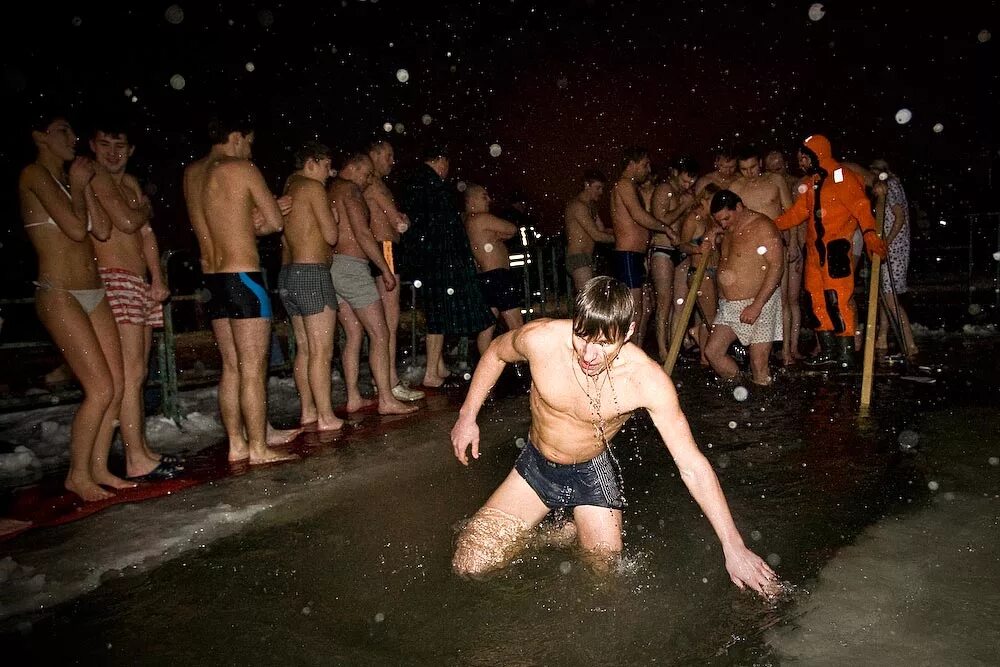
x,y
750,266
229,205
633,226
791,279
586,382
304,283
360,303
584,229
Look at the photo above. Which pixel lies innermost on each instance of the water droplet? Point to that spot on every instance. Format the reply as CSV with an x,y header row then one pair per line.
x,y
938,127
932,485
740,394
77,21
774,560
450,291
994,460
975,309
265,18
418,284
402,75
426,119
732,424
379,617
387,127
461,186
519,443
802,188
467,376
306,611
761,249
996,256
488,247
816,11
177,82
903,116
565,567
495,150
984,36
400,128
128,92
908,440
250,66
174,14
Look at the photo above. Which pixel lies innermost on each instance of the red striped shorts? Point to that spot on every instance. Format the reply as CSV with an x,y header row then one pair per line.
x,y
131,299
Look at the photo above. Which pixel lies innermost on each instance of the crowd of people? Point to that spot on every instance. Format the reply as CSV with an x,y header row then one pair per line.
x,y
776,249
348,241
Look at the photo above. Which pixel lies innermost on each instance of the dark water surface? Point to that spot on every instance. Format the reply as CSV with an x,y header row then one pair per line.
x,y
363,578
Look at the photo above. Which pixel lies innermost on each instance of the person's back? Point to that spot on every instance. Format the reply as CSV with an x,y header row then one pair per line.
x,y
228,204
303,236
194,179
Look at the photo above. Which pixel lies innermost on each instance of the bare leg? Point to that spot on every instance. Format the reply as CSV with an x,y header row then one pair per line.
x,y
300,370
498,531
319,330
760,353
484,338
513,318
662,270
719,340
599,530
107,335
373,320
795,309
433,377
229,391
132,417
390,305
581,276
74,335
252,338
637,298
681,286
350,357
709,301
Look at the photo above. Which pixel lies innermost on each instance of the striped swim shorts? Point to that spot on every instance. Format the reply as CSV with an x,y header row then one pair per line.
x,y
131,299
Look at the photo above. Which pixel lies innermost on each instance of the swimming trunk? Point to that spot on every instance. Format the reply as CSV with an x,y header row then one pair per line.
x,y
596,482
390,251
673,254
579,260
131,298
237,296
89,299
630,267
306,289
499,289
766,329
353,282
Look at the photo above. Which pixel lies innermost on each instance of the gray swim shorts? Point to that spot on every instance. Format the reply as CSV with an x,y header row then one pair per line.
x,y
353,282
306,289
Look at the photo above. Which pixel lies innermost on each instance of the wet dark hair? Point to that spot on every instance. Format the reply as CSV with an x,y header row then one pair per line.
x,y
310,150
746,152
353,158
604,310
224,123
709,190
724,199
594,176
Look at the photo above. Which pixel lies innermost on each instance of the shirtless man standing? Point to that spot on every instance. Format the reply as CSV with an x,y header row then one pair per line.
x,y
387,225
487,234
791,280
584,228
229,205
304,283
633,225
587,380
750,266
123,261
360,303
724,174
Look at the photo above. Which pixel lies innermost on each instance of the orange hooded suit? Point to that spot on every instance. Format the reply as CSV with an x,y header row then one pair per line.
x,y
833,206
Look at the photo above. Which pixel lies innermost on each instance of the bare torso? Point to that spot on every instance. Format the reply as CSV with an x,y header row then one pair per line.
x,y
665,200
724,182
302,237
629,234
348,201
573,418
488,247
742,267
765,193
123,250
577,240
227,206
383,211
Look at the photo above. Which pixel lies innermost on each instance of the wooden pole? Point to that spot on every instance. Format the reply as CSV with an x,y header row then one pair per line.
x,y
873,303
680,328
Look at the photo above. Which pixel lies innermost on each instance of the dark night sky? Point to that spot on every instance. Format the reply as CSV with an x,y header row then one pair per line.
x,y
560,86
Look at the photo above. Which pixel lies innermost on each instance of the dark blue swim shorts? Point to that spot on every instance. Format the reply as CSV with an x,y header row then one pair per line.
x,y
596,482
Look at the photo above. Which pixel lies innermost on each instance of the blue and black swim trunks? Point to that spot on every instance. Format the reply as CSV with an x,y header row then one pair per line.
x,y
237,296
596,482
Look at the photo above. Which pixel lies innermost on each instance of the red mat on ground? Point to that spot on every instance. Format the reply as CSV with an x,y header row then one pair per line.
x,y
48,503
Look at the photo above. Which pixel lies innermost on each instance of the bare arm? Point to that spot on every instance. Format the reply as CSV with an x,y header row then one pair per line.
x,y
505,349
357,218
774,259
635,209
663,195
319,205
784,193
657,394
794,215
503,228
271,218
124,217
897,223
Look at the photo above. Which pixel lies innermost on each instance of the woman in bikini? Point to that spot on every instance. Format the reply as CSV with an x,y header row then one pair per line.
x,y
61,216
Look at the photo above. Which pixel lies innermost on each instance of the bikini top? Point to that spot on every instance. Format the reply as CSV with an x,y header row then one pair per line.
x,y
50,221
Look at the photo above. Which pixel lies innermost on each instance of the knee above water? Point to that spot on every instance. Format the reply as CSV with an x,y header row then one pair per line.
x,y
488,542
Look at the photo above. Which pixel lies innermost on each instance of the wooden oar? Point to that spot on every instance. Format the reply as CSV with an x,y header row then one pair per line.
x,y
868,367
689,303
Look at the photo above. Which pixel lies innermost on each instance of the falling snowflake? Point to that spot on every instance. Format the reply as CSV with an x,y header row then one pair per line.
x,y
177,82
174,14
903,116
402,75
816,11
495,150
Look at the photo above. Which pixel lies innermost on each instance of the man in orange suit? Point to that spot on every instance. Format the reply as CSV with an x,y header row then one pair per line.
x,y
833,206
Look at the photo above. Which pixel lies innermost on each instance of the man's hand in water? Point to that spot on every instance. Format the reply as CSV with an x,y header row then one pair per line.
x,y
465,433
748,570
